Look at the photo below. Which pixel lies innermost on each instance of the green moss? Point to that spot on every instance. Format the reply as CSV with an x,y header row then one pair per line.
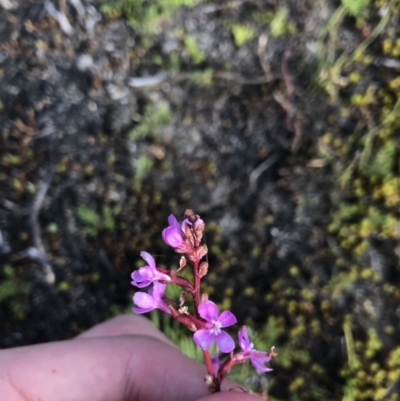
x,y
13,291
194,52
242,33
355,7
153,119
280,25
145,16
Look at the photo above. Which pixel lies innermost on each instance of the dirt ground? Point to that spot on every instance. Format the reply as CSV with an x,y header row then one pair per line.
x,y
278,122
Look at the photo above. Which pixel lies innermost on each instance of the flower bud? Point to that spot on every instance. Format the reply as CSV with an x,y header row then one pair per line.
x,y
203,269
182,263
204,297
202,251
190,215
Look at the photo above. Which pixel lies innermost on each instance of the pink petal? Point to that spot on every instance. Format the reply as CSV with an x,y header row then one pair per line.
x,y
208,311
141,310
203,338
227,318
172,221
258,364
244,341
224,342
262,356
149,259
172,236
144,300
161,276
146,273
158,290
139,280
163,306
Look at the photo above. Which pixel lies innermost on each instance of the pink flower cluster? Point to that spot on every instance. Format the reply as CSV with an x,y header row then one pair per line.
x,y
206,321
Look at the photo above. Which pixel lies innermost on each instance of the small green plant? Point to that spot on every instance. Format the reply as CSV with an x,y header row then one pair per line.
x,y
95,222
194,52
143,166
149,126
355,7
242,33
12,290
143,15
280,24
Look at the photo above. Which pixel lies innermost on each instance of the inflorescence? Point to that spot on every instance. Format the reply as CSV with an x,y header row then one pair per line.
x,y
206,322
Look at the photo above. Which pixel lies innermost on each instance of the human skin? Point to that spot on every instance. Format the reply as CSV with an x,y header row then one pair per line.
x,y
124,359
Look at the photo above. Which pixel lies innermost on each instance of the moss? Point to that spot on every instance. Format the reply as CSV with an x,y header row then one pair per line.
x,y
355,7
294,271
13,291
194,52
153,119
280,25
242,33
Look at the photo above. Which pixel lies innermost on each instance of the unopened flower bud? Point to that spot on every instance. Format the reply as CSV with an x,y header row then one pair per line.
x,y
204,297
182,263
202,251
191,216
192,326
273,352
203,269
198,226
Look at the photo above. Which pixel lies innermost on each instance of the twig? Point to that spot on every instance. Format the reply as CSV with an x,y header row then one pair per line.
x,y
36,233
262,168
293,122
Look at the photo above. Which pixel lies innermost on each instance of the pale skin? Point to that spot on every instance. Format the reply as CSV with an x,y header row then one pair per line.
x,y
124,359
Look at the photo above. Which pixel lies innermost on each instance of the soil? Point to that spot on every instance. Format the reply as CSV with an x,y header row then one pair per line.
x,y
89,173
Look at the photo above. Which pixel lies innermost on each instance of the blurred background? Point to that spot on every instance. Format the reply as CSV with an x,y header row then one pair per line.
x,y
277,121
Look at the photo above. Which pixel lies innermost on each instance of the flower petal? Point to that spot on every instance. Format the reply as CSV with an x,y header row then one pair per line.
x,y
163,306
203,338
172,236
139,311
149,259
208,311
139,280
158,290
227,318
172,221
244,341
262,356
258,364
144,300
224,342
161,276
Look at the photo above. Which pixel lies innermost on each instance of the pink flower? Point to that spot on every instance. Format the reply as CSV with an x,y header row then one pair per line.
x,y
204,337
172,235
257,358
152,300
145,275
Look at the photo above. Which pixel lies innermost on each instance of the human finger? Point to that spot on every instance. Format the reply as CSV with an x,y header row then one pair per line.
x,y
118,368
125,325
